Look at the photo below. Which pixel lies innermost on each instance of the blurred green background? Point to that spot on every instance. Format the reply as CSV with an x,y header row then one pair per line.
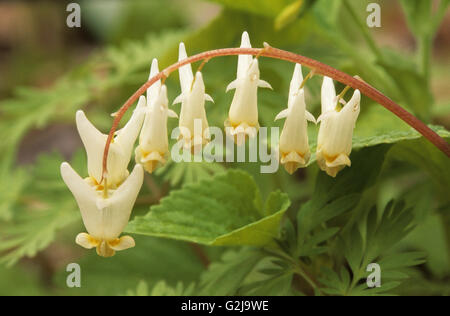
x,y
48,71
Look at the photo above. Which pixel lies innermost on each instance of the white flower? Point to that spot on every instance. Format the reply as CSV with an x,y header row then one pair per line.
x,y
243,115
104,217
293,146
192,99
120,149
153,145
334,143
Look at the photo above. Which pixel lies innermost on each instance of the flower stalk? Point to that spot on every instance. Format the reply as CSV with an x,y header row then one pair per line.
x,y
316,66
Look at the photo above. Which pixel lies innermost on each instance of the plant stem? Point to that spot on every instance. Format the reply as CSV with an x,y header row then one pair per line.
x,y
296,268
425,48
276,53
304,275
364,30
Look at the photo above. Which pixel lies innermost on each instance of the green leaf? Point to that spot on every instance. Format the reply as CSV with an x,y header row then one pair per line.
x,y
333,196
277,285
371,245
421,153
402,260
44,208
418,15
12,182
36,108
412,85
225,277
268,8
361,139
224,210
291,12
311,246
151,261
161,288
21,281
188,172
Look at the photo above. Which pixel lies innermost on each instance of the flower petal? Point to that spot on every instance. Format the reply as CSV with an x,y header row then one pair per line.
x,y
94,143
86,198
122,243
86,241
118,209
244,60
328,95
340,160
126,137
104,250
296,81
153,90
186,75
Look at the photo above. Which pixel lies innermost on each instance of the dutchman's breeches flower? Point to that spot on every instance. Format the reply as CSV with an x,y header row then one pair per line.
x,y
106,201
192,99
243,115
334,142
293,146
153,145
104,215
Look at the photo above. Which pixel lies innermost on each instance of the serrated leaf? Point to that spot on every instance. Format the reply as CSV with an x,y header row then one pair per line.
x,y
224,210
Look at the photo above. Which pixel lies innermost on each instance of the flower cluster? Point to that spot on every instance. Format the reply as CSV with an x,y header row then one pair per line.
x,y
106,200
337,123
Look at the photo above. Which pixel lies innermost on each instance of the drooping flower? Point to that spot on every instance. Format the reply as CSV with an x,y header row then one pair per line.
x,y
153,145
293,146
192,99
104,216
120,149
106,202
334,142
243,115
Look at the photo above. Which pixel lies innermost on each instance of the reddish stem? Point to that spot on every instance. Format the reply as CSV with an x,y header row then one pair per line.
x,y
276,53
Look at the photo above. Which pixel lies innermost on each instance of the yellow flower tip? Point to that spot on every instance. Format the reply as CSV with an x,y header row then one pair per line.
x,y
294,160
291,166
122,243
194,144
105,248
150,160
86,241
151,166
332,164
241,132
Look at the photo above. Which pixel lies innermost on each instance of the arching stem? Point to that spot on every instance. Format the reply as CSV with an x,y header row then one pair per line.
x,y
319,68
